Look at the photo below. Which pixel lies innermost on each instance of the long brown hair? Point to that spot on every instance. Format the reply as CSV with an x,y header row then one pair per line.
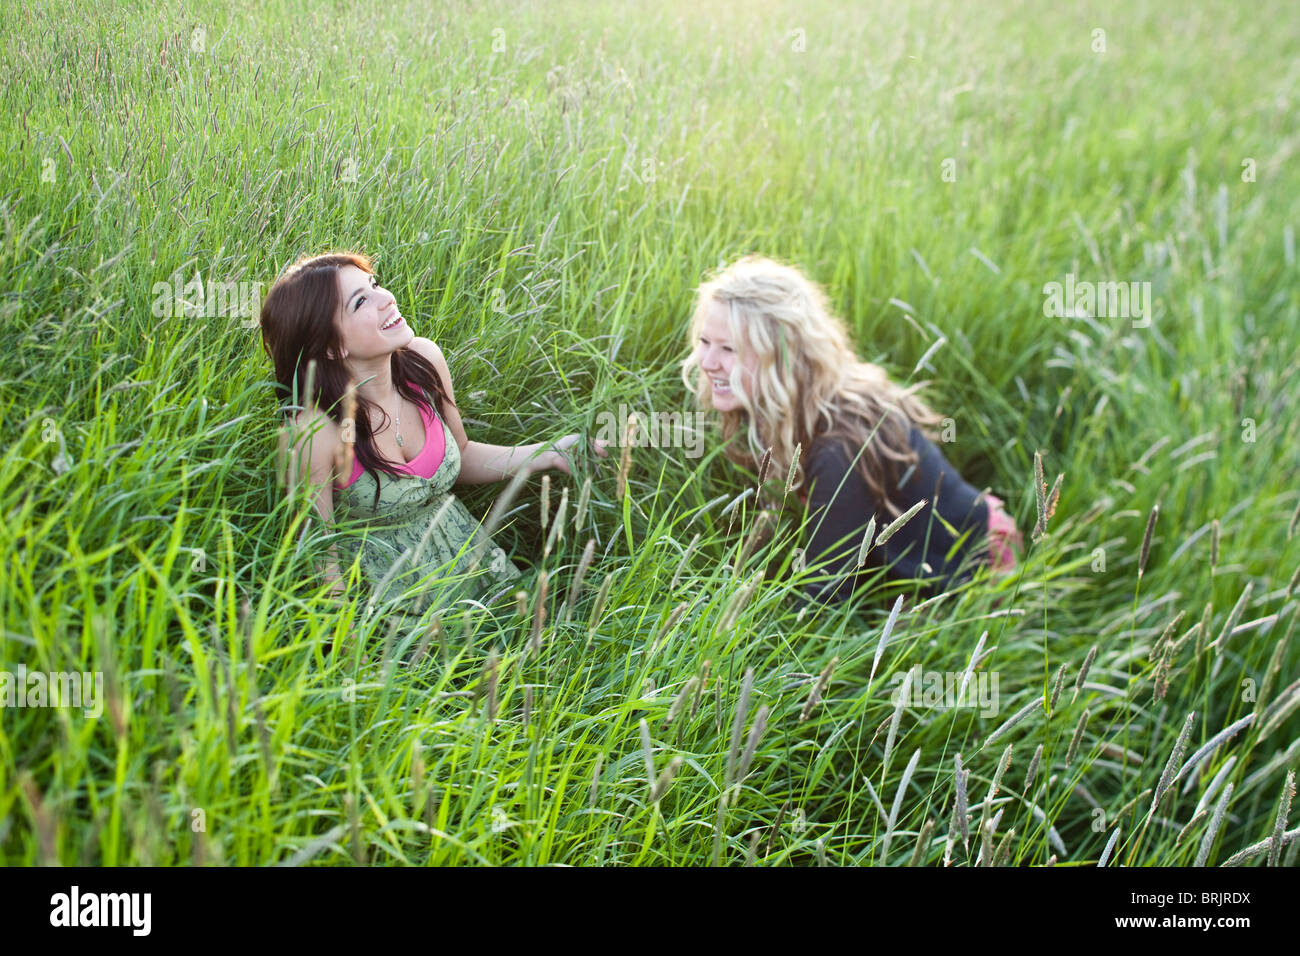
x,y
298,327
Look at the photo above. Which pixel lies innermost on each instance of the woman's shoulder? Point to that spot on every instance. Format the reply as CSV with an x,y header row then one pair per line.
x,y
831,463
831,453
313,421
312,431
428,349
930,455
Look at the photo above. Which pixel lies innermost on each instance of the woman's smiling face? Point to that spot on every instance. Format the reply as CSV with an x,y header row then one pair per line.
x,y
720,360
369,322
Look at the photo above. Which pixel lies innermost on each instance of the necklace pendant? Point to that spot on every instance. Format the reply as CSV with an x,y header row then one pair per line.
x,y
400,443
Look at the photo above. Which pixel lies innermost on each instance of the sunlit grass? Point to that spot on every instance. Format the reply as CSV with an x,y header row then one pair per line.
x,y
542,186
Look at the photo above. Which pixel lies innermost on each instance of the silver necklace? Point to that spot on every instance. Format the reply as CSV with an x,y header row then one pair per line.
x,y
399,422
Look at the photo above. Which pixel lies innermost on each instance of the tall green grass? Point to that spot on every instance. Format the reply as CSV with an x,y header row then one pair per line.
x,y
542,185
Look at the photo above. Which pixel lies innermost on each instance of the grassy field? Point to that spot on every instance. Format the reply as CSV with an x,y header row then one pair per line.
x,y
542,186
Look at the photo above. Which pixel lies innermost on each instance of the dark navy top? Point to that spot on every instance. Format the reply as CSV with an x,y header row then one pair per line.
x,y
950,540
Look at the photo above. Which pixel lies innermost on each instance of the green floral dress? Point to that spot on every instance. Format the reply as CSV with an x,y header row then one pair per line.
x,y
418,533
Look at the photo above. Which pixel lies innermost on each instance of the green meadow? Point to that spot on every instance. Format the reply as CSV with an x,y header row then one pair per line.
x,y
542,186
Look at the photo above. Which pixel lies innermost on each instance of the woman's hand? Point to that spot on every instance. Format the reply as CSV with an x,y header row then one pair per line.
x,y
1003,534
560,459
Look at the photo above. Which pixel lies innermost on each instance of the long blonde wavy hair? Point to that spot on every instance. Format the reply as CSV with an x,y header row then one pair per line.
x,y
808,384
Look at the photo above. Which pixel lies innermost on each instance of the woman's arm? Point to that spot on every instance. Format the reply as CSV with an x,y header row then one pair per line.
x,y
481,463
314,438
839,507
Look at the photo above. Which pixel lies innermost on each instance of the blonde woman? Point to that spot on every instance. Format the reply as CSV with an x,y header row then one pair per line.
x,y
774,362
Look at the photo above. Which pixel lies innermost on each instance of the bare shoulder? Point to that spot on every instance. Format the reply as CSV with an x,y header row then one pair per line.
x,y
316,436
313,421
429,349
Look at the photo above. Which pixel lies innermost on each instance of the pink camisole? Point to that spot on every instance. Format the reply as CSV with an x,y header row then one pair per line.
x,y
426,463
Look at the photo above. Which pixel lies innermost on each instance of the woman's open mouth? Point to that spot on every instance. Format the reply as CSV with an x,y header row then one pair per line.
x,y
395,320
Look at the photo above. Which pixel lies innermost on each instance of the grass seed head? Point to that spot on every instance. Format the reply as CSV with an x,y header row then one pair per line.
x,y
751,745
922,843
354,824
1053,498
1168,632
892,528
1204,629
1083,671
595,781
545,501
700,688
1014,719
673,617
539,613
584,499
1212,831
665,780
1078,736
1188,827
575,589
625,462
763,466
1003,852
681,565
1279,825
1057,684
754,539
818,689
865,546
432,632
686,693
557,527
1146,540
738,724
1033,768
1040,497
490,670
1167,776
738,601
960,815
599,607
794,468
